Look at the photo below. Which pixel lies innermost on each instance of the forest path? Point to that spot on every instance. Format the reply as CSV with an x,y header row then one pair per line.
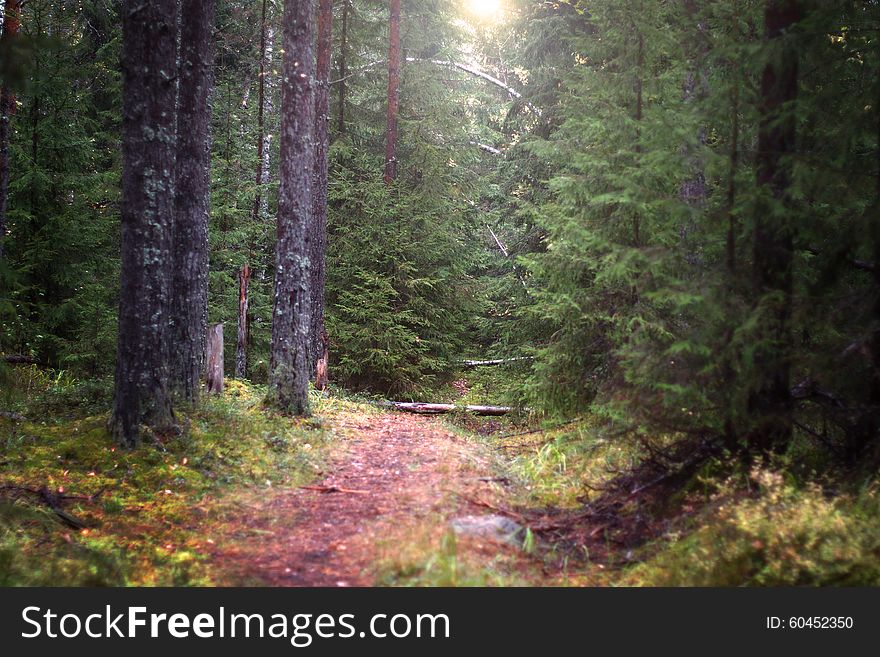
x,y
388,494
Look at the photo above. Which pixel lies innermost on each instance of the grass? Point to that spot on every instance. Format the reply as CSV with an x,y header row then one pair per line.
x,y
143,526
769,531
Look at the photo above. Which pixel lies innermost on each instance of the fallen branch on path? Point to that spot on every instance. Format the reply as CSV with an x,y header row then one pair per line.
x,y
437,409
335,489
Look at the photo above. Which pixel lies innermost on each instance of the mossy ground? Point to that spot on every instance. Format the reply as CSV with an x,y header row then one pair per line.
x,y
145,526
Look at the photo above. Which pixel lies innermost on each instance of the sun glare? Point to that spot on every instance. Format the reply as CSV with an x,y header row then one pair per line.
x,y
486,8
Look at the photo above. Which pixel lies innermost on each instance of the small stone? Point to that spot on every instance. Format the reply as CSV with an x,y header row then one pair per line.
x,y
492,527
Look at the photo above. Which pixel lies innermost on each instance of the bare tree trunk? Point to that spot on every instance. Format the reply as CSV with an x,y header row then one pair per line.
x,y
244,278
319,181
289,360
192,197
393,93
148,155
11,23
260,210
265,57
770,402
214,368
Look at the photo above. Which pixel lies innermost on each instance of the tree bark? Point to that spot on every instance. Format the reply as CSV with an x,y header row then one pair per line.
x,y
11,24
214,368
393,93
770,401
289,360
192,197
148,165
244,279
319,181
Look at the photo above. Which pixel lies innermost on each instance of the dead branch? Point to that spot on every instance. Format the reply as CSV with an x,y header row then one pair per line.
x,y
335,489
15,417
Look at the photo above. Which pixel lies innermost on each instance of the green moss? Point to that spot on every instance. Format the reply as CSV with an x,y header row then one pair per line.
x,y
143,526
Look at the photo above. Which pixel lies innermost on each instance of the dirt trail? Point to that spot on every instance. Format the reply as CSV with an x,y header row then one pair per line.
x,y
402,477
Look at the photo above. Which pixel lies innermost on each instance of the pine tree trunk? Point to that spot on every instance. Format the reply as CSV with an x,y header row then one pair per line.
x,y
289,360
393,93
244,279
214,366
148,165
11,23
192,197
319,180
770,402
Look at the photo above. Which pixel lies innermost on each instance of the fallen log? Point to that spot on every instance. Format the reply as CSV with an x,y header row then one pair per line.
x,y
15,417
437,409
497,361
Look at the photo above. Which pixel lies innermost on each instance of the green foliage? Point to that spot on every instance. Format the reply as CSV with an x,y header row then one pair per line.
x,y
398,298
62,278
779,536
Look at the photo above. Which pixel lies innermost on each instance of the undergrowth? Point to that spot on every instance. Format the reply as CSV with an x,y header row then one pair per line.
x,y
724,527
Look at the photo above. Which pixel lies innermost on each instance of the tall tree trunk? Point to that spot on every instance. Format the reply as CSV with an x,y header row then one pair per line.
x,y
289,360
244,279
393,93
343,70
148,165
11,24
260,210
192,197
261,108
319,180
268,105
770,400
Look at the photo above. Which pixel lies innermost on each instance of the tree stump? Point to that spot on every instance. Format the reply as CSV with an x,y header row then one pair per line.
x,y
214,367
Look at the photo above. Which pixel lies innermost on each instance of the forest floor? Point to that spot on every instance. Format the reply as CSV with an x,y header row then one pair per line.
x,y
380,514
241,495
